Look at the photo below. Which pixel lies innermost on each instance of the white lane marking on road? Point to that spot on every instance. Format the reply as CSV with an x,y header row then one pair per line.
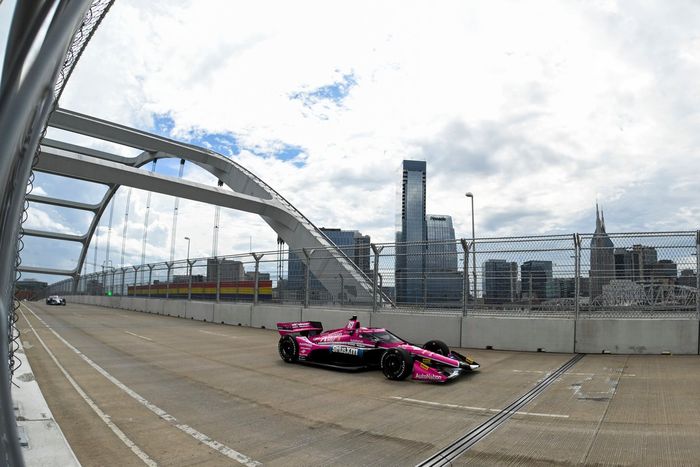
x,y
140,337
103,416
218,334
479,409
199,436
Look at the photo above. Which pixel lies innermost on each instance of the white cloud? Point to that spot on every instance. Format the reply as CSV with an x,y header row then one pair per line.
x,y
536,107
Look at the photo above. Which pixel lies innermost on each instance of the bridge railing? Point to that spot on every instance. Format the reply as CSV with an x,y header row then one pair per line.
x,y
621,275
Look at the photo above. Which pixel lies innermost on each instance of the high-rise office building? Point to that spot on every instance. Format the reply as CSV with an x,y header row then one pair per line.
x,y
443,280
351,242
636,263
536,279
603,266
499,281
411,234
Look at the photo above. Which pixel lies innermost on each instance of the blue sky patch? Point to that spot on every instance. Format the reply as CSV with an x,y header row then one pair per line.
x,y
223,143
334,92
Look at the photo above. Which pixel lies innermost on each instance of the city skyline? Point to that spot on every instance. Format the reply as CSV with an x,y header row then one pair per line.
x,y
514,124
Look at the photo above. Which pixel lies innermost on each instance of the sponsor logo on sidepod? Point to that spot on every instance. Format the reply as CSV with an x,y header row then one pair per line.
x,y
344,349
428,376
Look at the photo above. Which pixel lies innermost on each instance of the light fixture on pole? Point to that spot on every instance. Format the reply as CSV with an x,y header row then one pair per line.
x,y
469,194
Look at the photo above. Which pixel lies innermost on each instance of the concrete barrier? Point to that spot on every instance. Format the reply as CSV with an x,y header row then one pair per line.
x,y
201,311
637,336
268,316
623,336
420,328
236,314
334,318
529,334
175,308
154,305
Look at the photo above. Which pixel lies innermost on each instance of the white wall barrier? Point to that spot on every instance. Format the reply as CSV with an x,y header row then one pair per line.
x,y
530,334
617,336
637,336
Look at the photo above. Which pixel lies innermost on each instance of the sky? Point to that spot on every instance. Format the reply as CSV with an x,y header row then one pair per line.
x,y
539,108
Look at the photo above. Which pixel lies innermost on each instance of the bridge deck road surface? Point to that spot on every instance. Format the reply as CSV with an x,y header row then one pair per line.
x,y
227,383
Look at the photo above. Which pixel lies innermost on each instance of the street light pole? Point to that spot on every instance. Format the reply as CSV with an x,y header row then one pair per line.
x,y
470,195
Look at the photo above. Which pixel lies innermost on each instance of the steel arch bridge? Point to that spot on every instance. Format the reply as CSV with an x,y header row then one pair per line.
x,y
648,294
250,194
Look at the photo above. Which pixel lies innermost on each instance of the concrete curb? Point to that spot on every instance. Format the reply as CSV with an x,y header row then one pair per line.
x,y
46,444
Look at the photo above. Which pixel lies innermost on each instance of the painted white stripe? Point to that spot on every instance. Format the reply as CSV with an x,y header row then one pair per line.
x,y
103,416
199,436
140,337
218,334
479,409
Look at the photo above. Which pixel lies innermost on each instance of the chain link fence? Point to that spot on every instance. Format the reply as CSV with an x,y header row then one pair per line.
x,y
632,275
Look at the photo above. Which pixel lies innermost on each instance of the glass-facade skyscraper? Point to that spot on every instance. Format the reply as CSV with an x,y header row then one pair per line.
x,y
411,228
536,279
351,242
444,282
499,279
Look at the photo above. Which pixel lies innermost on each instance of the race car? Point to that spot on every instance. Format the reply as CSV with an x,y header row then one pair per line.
x,y
355,347
55,300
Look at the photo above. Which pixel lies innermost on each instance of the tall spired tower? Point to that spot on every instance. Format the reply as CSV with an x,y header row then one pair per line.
x,y
602,256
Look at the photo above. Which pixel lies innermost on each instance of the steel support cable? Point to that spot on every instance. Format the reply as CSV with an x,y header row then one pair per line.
x,y
446,455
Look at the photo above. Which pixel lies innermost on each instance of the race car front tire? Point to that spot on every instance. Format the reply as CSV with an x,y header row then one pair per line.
x,y
396,364
438,347
288,349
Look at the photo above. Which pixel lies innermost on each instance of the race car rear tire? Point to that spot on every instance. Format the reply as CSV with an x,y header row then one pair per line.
x,y
438,347
288,349
396,364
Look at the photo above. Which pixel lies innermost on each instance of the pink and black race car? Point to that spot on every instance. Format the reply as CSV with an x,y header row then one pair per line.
x,y
354,347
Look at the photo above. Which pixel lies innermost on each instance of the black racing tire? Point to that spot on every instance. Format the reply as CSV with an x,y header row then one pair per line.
x,y
396,364
288,349
438,347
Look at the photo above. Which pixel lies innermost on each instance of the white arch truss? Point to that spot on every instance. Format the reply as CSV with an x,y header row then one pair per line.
x,y
250,194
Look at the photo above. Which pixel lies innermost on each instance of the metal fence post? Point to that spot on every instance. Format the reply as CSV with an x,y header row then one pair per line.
x,y
381,287
114,272
136,278
123,287
376,249
307,272
465,274
167,282
218,279
577,274
257,276
697,274
150,278
190,263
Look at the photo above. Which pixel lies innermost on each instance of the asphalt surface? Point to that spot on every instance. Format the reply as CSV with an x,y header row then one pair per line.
x,y
178,392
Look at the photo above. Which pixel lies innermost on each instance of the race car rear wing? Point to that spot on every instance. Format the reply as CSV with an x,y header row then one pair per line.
x,y
300,327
